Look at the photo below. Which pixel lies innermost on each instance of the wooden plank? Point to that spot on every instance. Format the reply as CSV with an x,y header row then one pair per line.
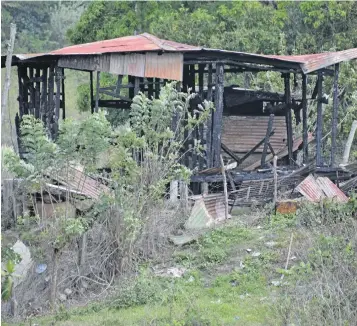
x,y
319,123
32,92
21,90
37,94
136,86
209,120
288,117
50,107
150,87
58,99
115,104
97,92
304,119
267,137
44,96
217,123
63,96
231,154
91,92
334,115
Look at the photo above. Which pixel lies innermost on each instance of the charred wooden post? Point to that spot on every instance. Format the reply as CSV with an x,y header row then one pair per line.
x,y
32,91
25,91
44,97
58,78
217,119
209,120
37,94
193,78
157,87
304,119
289,128
334,115
50,107
186,78
319,123
136,86
91,93
21,91
63,96
150,87
267,139
97,92
131,88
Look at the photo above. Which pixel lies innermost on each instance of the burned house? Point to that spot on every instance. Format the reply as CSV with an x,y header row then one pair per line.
x,y
248,126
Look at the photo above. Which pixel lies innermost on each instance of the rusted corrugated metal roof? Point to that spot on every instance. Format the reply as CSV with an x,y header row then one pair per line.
x,y
150,43
314,62
241,133
331,190
138,43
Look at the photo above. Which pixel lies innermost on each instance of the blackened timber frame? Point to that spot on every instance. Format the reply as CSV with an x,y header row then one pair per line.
x,y
334,115
288,118
304,119
217,117
319,122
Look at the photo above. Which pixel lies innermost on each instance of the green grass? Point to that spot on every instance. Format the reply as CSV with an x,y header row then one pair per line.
x,y
215,291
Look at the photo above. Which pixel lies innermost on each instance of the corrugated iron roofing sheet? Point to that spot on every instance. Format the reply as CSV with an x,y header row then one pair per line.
x,y
310,189
150,43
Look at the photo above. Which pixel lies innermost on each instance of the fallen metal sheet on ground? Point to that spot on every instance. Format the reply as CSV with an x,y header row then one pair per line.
x,y
310,189
331,190
208,210
76,180
316,189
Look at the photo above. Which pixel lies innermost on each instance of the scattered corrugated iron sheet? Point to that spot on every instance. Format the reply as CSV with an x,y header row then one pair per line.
x,y
76,180
317,189
331,190
282,153
310,189
241,133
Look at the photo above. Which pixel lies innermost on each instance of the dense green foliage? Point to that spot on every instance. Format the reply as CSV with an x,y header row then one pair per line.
x,y
287,27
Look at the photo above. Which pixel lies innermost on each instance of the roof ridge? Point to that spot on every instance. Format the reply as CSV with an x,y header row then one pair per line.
x,y
159,42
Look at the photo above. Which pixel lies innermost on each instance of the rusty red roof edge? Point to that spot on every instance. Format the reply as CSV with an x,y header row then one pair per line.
x,y
149,43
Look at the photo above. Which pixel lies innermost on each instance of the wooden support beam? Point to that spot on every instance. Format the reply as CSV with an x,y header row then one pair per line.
x,y
44,97
157,87
231,154
63,96
25,92
217,123
91,92
334,115
150,87
304,120
114,104
288,120
201,69
97,92
50,108
186,78
131,89
136,86
37,94
255,148
319,123
192,78
267,138
21,91
32,92
58,80
209,120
